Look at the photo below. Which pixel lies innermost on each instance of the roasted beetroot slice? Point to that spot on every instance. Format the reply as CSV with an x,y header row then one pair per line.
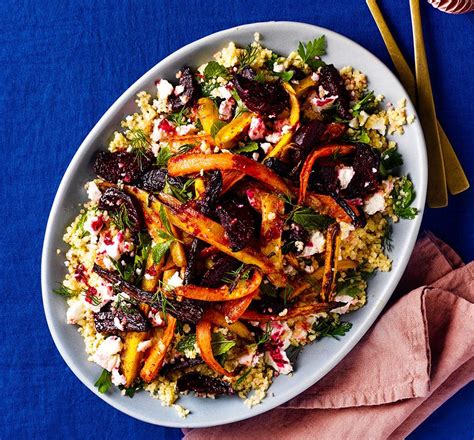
x,y
238,221
205,206
268,99
128,317
323,179
155,180
123,166
215,275
114,200
294,233
279,167
181,364
332,82
201,384
307,137
365,181
187,98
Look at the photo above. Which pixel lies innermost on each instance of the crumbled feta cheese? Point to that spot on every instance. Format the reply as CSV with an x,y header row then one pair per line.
x,y
155,318
318,104
118,324
183,130
276,357
225,109
354,123
255,156
273,138
265,146
345,175
93,192
315,245
75,312
349,303
271,216
315,77
178,90
174,281
115,246
117,378
257,129
108,353
362,118
278,68
299,245
163,90
375,203
144,345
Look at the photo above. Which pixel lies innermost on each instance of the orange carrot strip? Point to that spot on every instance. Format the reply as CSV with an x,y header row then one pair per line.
x,y
158,351
204,342
195,162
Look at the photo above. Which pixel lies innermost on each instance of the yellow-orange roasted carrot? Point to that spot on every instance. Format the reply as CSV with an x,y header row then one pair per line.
x,y
304,85
229,134
294,119
217,318
243,288
330,261
196,162
234,309
298,310
204,342
207,113
157,353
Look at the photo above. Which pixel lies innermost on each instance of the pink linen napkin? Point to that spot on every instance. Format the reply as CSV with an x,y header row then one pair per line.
x,y
417,355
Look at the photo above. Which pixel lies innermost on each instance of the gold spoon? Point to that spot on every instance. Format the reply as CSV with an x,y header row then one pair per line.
x,y
455,176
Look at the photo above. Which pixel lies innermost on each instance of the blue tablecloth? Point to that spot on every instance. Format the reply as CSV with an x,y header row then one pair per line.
x,y
62,64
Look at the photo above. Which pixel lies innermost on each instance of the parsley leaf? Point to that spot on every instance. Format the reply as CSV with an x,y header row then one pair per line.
x,y
403,194
390,160
367,103
249,148
215,127
220,344
104,382
179,118
312,49
130,391
360,135
310,219
120,218
215,70
183,193
186,344
331,326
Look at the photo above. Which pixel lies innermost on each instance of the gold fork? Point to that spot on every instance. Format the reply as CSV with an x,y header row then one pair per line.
x,y
455,176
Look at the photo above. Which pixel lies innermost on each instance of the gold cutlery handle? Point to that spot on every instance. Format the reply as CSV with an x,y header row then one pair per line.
x,y
437,191
455,176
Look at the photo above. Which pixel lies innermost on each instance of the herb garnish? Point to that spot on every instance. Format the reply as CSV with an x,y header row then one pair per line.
x,y
215,70
403,194
160,249
186,344
183,194
249,148
120,218
312,49
130,391
242,378
331,326
387,242
389,161
241,273
104,382
248,57
221,345
179,118
62,290
366,103
309,219
241,108
265,336
216,126
163,156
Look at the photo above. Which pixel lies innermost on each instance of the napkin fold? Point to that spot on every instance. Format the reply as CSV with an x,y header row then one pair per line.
x,y
416,356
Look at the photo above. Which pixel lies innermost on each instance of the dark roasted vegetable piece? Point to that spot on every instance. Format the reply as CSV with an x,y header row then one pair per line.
x,y
186,310
358,218
202,384
155,180
294,233
187,98
332,82
205,206
181,364
219,270
268,99
129,317
113,200
306,138
123,166
238,221
366,165
279,167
